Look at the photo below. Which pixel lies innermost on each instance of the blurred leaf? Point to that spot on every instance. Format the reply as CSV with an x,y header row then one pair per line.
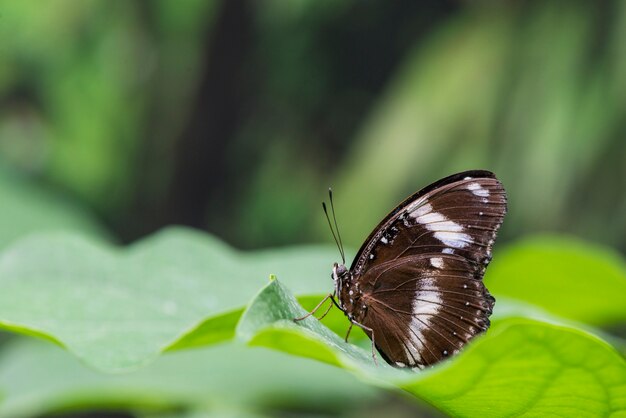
x,y
38,378
117,309
228,412
94,59
119,58
27,208
521,366
563,276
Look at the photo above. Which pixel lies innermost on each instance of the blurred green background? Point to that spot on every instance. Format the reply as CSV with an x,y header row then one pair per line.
x,y
118,118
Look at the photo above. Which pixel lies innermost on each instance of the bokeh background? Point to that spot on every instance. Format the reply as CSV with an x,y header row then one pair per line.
x,y
235,116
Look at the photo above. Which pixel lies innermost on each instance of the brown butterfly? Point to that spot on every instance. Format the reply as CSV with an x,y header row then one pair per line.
x,y
415,286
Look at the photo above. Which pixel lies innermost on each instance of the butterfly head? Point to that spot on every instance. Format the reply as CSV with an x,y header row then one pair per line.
x,y
339,272
339,275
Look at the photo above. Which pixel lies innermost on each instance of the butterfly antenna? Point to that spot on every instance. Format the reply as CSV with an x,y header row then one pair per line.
x,y
332,208
332,231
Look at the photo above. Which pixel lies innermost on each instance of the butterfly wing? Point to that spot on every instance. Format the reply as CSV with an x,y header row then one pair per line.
x,y
420,271
459,214
423,308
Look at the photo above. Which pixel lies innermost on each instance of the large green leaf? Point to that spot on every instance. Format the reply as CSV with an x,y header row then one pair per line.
x,y
563,276
529,368
117,309
521,367
38,378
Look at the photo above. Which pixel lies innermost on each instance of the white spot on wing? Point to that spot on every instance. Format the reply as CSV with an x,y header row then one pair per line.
x,y
453,239
384,240
425,306
426,302
477,190
413,346
448,232
436,262
432,217
421,211
447,251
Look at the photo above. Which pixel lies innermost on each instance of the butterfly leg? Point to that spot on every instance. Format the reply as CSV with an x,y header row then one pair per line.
x,y
348,333
329,296
328,309
353,322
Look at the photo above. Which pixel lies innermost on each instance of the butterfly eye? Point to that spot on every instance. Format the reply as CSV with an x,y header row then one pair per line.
x,y
341,270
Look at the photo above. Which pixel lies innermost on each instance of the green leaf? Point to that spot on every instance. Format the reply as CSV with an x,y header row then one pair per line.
x,y
520,367
529,368
117,309
38,378
269,321
563,276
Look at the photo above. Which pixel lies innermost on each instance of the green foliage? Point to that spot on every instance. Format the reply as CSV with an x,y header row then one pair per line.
x,y
563,276
521,365
102,98
38,378
515,90
243,113
91,83
119,309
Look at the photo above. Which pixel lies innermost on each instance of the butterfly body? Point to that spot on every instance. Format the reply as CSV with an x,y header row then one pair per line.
x,y
349,293
415,286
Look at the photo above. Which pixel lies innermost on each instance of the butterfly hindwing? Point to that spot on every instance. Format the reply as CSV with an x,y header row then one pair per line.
x,y
423,308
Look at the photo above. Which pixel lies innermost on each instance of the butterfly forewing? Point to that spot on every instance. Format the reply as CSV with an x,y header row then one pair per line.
x,y
461,215
419,273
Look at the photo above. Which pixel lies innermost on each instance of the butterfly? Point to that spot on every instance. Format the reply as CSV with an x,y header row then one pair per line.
x,y
415,286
